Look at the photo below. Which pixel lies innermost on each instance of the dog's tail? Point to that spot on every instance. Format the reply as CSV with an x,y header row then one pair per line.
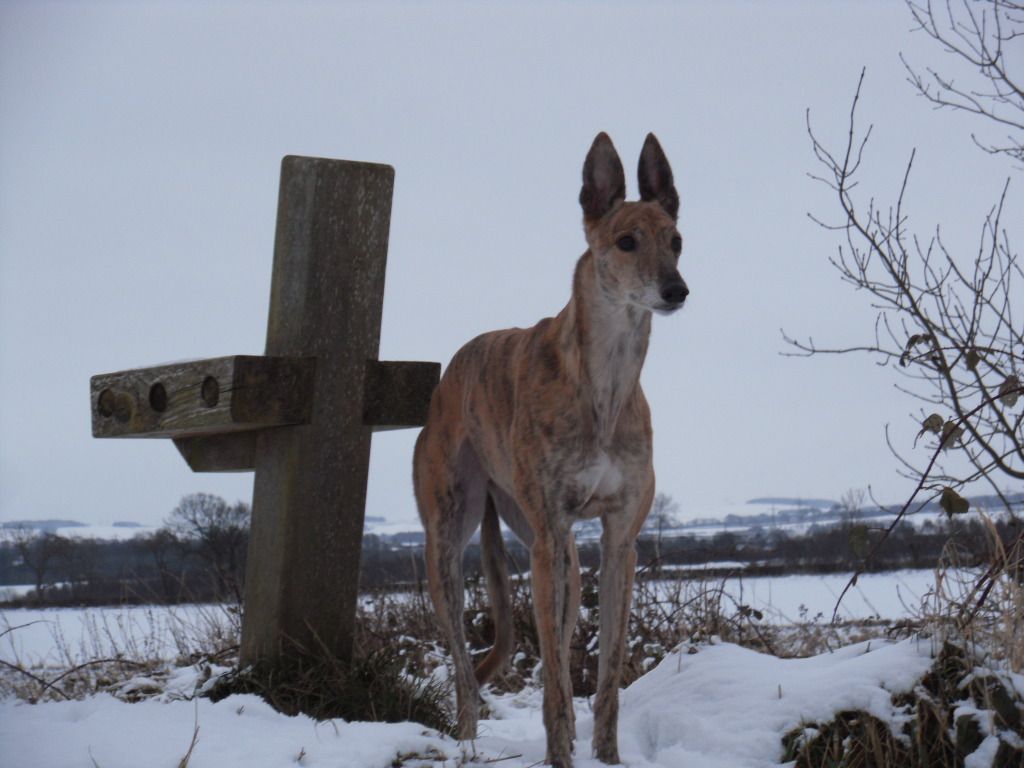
x,y
495,567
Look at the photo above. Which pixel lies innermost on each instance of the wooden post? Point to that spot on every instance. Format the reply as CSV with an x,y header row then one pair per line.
x,y
302,415
326,297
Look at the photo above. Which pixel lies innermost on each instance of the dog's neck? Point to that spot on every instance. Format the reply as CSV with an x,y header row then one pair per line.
x,y
606,342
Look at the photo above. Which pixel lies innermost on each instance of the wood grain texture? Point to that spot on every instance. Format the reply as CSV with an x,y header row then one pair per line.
x,y
228,452
201,397
397,394
326,299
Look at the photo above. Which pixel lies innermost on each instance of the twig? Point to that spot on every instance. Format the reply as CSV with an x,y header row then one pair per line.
x,y
38,679
22,626
66,673
501,759
183,763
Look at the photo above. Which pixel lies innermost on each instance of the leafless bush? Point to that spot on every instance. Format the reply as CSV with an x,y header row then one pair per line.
x,y
981,36
947,327
945,321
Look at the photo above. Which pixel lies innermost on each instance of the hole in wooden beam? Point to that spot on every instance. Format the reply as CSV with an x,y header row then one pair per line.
x,y
105,403
210,392
158,397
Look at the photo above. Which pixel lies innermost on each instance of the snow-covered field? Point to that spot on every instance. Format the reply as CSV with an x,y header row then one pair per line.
x,y
788,599
713,705
68,636
719,707
63,635
917,519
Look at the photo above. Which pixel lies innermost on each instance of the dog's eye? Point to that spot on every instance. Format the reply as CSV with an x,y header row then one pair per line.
x,y
677,244
626,243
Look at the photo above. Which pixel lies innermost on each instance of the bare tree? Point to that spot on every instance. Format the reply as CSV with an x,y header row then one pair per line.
x,y
664,514
978,35
39,552
81,564
945,321
221,532
851,503
162,545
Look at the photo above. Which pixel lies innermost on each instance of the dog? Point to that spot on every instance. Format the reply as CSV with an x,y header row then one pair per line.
x,y
545,426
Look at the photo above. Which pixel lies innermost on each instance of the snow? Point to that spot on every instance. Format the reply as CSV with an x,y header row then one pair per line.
x,y
106,532
710,565
720,707
239,731
890,595
58,636
985,755
729,706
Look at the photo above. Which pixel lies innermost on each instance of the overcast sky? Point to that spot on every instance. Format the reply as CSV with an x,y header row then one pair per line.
x,y
140,146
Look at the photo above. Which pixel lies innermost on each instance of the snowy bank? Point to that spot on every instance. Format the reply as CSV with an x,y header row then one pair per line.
x,y
722,705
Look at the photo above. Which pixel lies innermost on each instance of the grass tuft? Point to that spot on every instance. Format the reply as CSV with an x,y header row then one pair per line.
x,y
373,687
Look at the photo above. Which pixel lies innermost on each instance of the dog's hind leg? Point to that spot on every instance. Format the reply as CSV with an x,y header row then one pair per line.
x,y
451,505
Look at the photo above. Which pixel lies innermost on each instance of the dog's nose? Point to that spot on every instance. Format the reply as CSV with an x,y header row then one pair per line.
x,y
674,292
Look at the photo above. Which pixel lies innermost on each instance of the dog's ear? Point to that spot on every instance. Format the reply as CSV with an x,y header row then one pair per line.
x,y
655,177
604,183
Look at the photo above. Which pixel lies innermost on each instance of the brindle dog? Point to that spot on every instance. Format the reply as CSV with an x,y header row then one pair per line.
x,y
544,426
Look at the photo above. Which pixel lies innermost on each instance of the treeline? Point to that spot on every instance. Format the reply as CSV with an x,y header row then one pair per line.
x,y
822,549
199,555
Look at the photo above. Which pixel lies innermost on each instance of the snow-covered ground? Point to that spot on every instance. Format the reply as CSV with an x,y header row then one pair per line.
x,y
713,705
719,707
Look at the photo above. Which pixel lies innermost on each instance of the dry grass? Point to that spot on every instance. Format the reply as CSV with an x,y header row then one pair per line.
x,y
117,648
373,687
981,607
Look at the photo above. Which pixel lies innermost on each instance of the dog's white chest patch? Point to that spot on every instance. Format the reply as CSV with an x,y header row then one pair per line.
x,y
602,477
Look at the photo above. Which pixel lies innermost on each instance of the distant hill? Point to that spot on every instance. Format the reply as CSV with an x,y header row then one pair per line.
x,y
45,526
793,501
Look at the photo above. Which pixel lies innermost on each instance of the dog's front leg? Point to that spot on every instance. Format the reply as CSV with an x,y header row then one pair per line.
x,y
551,562
618,561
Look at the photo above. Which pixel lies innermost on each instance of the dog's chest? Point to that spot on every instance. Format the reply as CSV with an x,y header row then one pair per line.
x,y
600,476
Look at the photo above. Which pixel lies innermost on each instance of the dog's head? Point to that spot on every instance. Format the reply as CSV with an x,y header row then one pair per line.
x,y
636,246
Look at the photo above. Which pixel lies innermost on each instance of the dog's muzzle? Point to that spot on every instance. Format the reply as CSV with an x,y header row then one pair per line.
x,y
673,293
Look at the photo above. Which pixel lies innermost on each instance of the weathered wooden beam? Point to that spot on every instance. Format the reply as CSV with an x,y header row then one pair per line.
x,y
222,394
229,452
326,296
396,395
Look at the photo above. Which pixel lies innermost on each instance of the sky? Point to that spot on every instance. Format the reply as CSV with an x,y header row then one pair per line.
x,y
140,147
